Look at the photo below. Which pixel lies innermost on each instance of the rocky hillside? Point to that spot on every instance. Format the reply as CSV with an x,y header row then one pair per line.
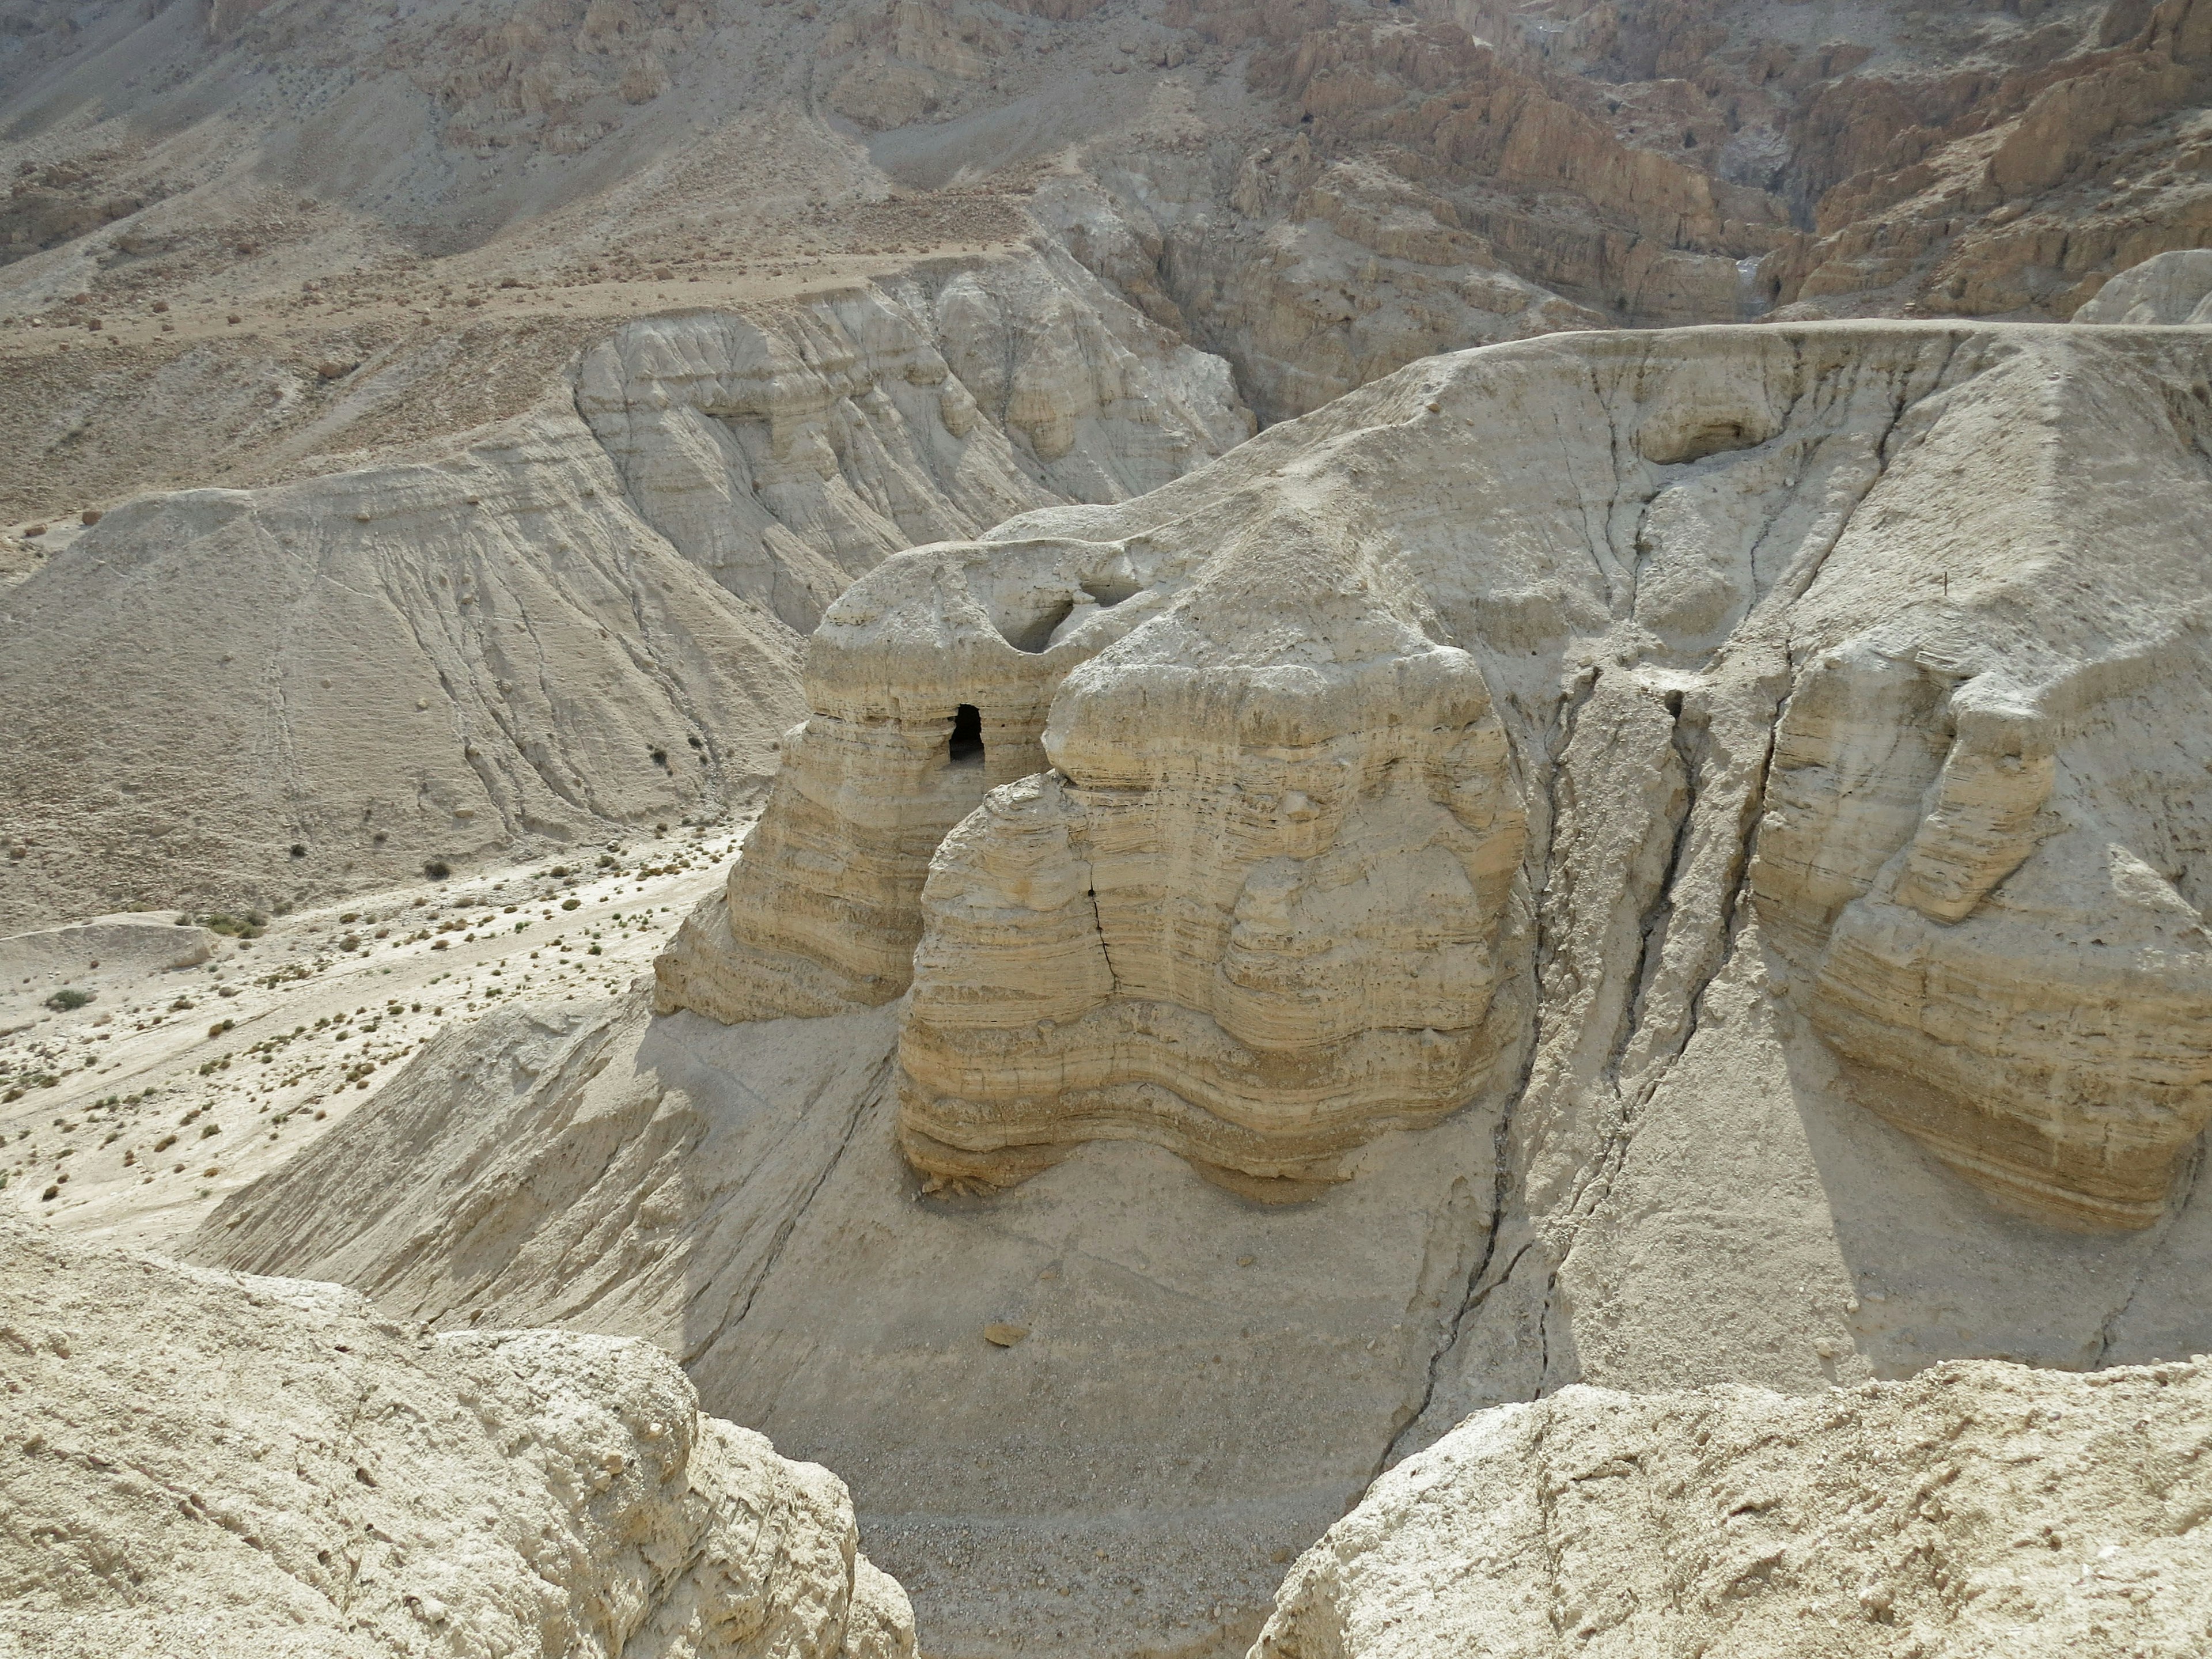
x,y
754,295
1585,861
203,1463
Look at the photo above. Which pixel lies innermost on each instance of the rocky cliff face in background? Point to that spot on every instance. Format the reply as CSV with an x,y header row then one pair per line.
x,y
587,618
426,226
198,1462
1667,862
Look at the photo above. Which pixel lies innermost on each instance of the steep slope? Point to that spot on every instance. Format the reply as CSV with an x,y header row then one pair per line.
x,y
1977,1510
204,1463
1507,803
585,619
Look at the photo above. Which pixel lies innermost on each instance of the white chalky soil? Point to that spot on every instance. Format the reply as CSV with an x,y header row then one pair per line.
x,y
173,1089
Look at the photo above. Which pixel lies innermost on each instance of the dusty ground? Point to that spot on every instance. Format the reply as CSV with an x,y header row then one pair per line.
x,y
232,1067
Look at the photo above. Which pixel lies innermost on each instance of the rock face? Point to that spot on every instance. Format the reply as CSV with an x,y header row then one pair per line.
x,y
588,618
1749,663
2167,288
107,947
1980,1509
789,454
1265,900
200,1462
1259,907
2018,981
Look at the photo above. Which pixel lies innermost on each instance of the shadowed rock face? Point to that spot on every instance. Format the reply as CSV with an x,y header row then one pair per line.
x,y
1467,715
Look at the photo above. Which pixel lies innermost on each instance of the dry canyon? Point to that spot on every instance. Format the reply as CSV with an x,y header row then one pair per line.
x,y
1106,829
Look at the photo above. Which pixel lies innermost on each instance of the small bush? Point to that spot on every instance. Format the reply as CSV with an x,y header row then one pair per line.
x,y
298,850
67,999
572,905
437,869
252,924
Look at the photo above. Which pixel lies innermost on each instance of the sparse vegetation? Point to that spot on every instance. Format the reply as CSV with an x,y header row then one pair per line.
x,y
69,998
251,925
437,869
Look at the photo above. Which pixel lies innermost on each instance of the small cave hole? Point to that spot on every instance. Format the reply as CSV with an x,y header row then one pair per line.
x,y
966,747
1107,592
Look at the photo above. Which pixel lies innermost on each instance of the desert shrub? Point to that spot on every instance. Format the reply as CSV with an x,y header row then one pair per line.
x,y
252,924
68,998
437,869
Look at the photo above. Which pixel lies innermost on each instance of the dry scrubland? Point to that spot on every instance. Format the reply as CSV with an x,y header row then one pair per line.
x,y
1557,1006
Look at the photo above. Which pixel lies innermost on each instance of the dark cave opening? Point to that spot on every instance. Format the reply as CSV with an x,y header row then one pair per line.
x,y
966,745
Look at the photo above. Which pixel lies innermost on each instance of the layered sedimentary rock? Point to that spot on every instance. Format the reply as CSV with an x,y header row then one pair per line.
x,y
2008,955
789,453
588,617
1979,1510
1381,665
1258,909
201,1462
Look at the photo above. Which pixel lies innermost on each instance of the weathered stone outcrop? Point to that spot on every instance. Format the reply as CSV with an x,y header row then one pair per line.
x,y
2022,986
1601,616
1981,1510
787,454
588,617
205,1462
2166,288
1258,909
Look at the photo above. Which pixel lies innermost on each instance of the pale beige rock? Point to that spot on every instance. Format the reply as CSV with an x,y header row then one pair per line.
x,y
106,948
385,667
1148,932
587,618
1654,549
788,453
204,1463
2167,288
1979,1510
1257,910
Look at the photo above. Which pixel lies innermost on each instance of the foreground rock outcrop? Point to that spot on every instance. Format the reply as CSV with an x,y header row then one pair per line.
x,y
1978,1510
204,1463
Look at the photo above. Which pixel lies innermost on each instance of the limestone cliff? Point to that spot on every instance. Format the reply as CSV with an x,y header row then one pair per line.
x,y
587,617
1359,685
1755,655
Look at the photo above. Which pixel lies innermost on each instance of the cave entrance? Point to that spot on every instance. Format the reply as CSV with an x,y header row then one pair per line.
x,y
967,745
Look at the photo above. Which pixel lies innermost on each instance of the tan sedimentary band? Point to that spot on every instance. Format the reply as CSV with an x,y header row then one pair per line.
x,y
1257,922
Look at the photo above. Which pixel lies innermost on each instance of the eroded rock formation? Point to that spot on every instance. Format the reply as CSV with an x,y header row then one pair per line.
x,y
588,617
206,1463
1605,620
1979,1510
